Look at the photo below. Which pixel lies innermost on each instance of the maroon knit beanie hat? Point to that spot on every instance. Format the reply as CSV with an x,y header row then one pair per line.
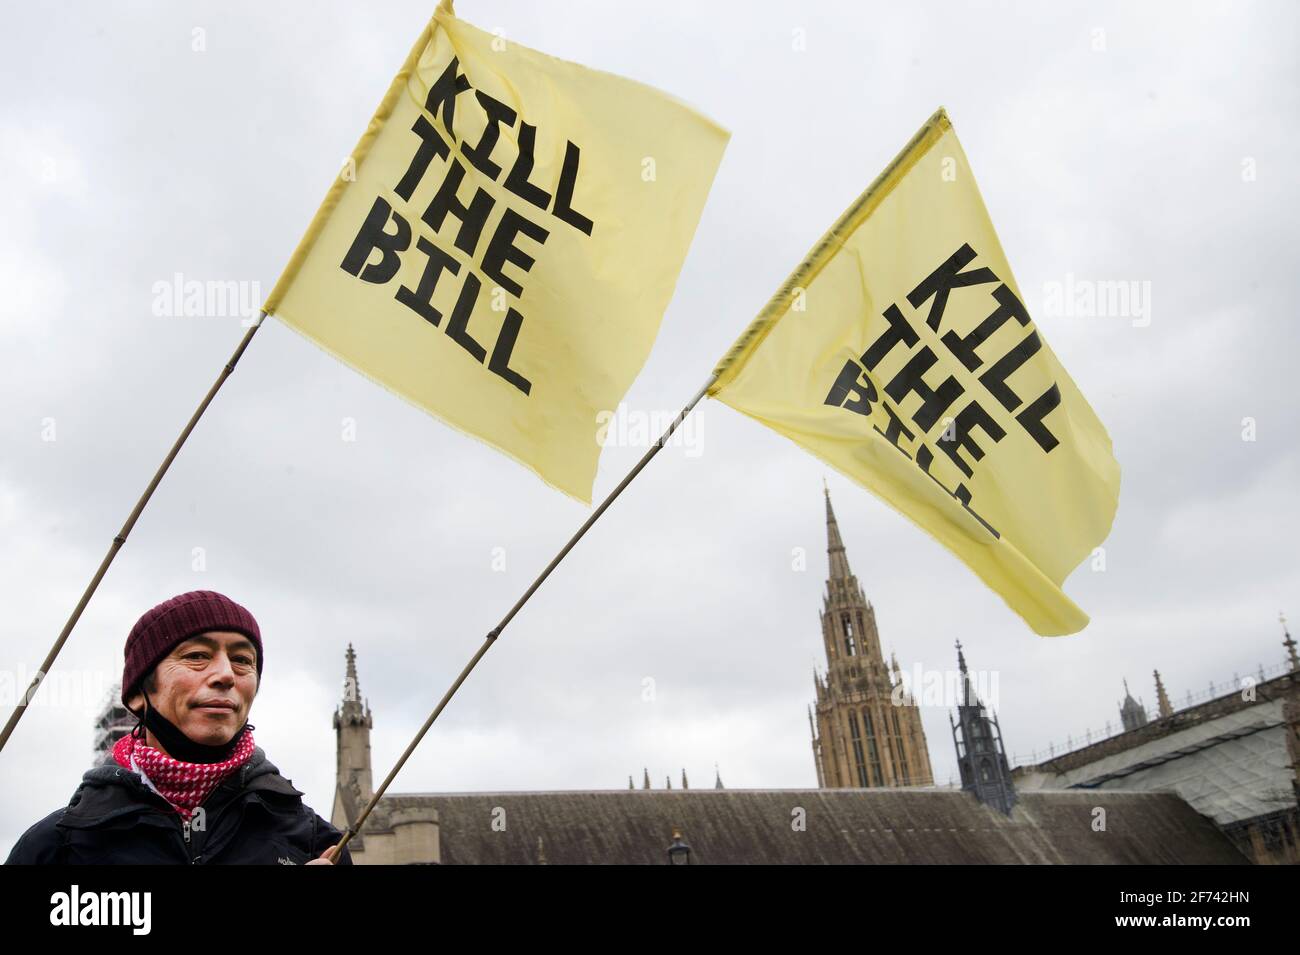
x,y
175,621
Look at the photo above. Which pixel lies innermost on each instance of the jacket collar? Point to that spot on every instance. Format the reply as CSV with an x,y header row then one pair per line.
x,y
109,791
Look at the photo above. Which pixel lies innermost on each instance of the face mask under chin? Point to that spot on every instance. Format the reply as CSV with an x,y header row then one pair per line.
x,y
176,744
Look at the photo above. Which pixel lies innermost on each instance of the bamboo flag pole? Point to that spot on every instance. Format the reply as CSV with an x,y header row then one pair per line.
x,y
495,632
120,539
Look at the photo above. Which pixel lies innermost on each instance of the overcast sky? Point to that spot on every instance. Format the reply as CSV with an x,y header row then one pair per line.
x,y
1150,143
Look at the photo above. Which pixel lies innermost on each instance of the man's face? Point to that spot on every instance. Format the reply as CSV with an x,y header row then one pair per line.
x,y
206,685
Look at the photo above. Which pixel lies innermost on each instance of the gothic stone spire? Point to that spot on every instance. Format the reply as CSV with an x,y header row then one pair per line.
x,y
839,560
352,725
981,754
861,739
1162,698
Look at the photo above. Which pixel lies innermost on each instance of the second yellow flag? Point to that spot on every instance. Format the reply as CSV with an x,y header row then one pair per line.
x,y
901,353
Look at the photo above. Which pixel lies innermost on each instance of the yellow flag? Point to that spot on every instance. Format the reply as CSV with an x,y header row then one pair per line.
x,y
900,352
503,243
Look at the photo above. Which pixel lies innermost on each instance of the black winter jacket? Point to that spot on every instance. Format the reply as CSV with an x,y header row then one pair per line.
x,y
255,817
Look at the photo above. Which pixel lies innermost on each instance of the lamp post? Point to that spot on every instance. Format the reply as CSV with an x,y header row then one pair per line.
x,y
679,853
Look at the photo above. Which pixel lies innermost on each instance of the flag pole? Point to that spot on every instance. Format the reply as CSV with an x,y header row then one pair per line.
x,y
495,632
120,539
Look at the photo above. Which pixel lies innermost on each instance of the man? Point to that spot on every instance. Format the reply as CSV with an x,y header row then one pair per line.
x,y
187,785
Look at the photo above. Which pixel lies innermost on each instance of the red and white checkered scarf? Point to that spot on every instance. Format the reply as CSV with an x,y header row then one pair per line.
x,y
184,785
